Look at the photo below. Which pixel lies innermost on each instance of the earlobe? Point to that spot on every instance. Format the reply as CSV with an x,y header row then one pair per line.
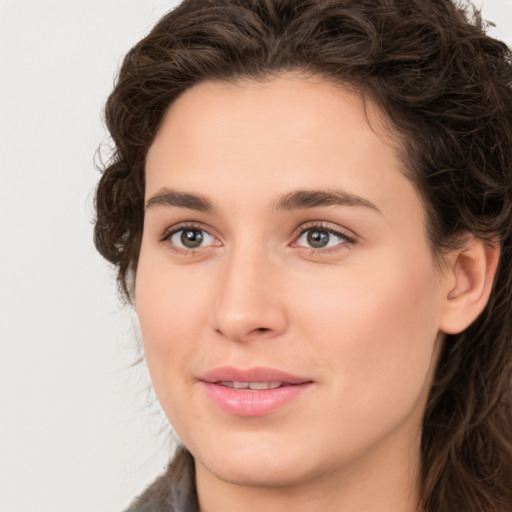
x,y
469,277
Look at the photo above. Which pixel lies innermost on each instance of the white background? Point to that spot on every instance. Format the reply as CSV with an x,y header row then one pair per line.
x,y
79,428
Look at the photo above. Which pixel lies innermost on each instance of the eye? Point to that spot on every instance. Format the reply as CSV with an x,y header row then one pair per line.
x,y
319,238
189,238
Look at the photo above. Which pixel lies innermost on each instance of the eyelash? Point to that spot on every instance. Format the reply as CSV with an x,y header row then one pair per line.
x,y
170,232
348,240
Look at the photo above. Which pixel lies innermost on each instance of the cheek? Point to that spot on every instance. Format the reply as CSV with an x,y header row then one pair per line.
x,y
169,299
171,308
377,327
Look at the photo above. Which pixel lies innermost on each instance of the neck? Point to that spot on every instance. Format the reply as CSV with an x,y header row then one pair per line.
x,y
373,484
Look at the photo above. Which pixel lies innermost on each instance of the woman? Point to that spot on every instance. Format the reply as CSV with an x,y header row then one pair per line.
x,y
310,207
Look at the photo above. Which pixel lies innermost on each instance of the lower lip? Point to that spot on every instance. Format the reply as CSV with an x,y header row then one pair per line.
x,y
247,402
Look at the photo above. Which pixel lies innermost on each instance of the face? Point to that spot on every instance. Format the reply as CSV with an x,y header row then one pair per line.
x,y
288,300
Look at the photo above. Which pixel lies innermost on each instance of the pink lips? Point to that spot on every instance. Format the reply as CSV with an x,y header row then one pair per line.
x,y
253,392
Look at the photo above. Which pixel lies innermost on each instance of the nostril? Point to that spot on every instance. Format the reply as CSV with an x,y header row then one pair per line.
x,y
258,330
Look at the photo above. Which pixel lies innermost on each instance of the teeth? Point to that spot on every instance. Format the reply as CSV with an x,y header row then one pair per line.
x,y
273,384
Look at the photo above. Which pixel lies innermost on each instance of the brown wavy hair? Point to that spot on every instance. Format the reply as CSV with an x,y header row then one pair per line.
x,y
446,89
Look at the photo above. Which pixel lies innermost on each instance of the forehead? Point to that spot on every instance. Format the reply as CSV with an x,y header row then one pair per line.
x,y
235,140
286,104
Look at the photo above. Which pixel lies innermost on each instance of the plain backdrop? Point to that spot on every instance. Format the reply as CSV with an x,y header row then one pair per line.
x,y
80,430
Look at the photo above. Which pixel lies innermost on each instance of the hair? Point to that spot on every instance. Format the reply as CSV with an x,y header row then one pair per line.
x,y
445,88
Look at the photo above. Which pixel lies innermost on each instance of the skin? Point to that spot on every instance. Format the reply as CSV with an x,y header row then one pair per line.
x,y
361,318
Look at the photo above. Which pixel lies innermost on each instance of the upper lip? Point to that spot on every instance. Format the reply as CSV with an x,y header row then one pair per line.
x,y
254,374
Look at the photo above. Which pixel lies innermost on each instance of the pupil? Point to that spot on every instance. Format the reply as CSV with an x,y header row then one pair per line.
x,y
318,239
191,238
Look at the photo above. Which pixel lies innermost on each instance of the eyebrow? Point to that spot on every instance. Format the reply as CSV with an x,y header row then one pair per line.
x,y
167,197
304,199
296,200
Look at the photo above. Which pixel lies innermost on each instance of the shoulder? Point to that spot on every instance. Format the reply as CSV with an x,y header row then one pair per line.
x,y
174,491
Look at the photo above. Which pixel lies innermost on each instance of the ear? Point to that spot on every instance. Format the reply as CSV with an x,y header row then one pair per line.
x,y
469,280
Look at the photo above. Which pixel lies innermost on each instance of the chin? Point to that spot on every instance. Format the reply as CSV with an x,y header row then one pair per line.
x,y
254,473
255,464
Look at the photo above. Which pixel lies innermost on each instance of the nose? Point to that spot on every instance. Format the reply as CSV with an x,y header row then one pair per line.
x,y
249,301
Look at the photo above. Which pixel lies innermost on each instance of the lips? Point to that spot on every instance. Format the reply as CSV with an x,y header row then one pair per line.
x,y
254,374
273,384
255,391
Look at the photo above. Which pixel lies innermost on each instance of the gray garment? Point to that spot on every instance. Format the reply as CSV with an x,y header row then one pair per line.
x,y
174,491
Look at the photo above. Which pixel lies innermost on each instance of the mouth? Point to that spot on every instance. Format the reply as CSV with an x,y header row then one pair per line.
x,y
256,386
256,391
251,378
